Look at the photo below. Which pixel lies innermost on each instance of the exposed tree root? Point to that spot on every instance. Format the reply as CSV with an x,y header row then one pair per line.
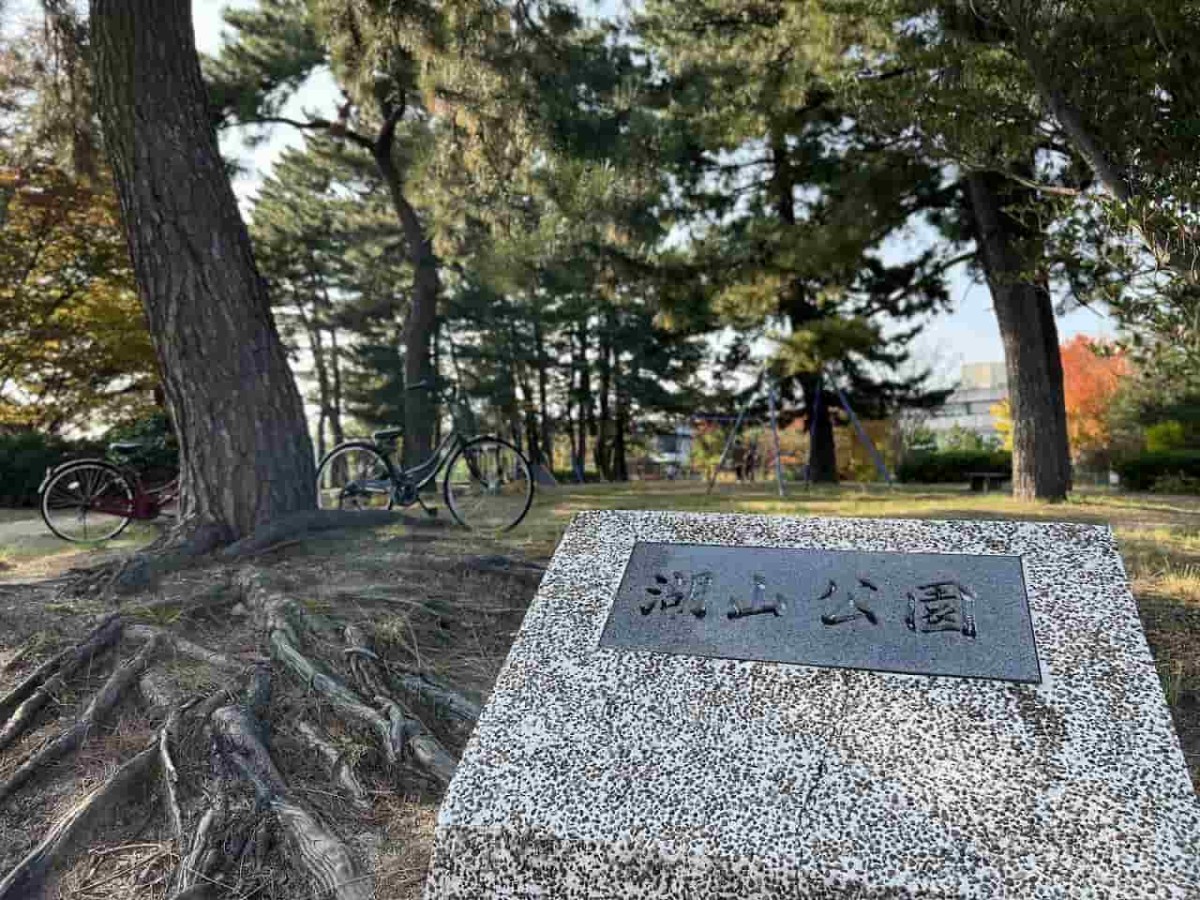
x,y
336,764
457,712
71,739
138,571
327,866
237,825
185,647
28,879
397,730
372,680
28,696
170,775
284,649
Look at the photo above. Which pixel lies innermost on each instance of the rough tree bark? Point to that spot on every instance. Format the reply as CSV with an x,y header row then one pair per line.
x,y
1041,456
601,448
587,413
419,405
245,453
822,451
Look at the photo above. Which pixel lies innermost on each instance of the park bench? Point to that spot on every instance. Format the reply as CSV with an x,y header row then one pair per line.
x,y
982,482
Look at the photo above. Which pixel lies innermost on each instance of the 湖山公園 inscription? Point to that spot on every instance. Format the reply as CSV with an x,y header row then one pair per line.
x,y
917,613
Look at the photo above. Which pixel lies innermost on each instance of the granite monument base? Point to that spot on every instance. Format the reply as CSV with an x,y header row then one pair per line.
x,y
983,721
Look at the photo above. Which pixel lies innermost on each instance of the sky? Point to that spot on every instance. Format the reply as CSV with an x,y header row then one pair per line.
x,y
968,334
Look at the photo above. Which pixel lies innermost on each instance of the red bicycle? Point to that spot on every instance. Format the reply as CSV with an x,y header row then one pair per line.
x,y
93,500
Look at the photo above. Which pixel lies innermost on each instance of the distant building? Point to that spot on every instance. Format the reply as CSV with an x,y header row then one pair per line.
x,y
981,386
672,448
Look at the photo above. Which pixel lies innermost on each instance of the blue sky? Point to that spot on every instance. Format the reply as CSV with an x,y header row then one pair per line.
x,y
967,334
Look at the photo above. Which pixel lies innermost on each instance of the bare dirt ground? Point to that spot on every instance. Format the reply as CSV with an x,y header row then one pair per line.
x,y
428,601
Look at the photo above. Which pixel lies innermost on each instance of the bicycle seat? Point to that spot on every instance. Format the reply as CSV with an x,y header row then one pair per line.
x,y
126,447
387,434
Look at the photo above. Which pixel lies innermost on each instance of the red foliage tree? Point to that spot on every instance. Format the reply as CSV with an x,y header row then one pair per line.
x,y
1092,374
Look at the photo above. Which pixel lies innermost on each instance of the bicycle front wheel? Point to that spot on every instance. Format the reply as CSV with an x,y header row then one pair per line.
x,y
354,476
87,502
488,485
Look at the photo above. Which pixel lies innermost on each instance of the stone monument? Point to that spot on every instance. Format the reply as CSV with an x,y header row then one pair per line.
x,y
743,707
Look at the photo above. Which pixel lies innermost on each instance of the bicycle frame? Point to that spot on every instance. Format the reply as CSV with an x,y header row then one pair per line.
x,y
146,503
426,471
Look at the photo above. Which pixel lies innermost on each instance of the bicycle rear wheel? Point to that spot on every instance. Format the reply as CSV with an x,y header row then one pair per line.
x,y
488,485
87,502
354,476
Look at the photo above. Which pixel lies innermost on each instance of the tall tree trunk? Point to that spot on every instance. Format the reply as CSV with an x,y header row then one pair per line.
x,y
587,414
420,408
620,461
316,346
822,453
245,452
324,321
526,404
335,369
794,304
601,443
1041,456
543,379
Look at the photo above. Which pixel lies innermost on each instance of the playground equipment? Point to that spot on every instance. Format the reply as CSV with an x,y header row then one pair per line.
x,y
772,411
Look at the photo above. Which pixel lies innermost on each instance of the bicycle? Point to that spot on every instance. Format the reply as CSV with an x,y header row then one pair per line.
x,y
93,500
487,486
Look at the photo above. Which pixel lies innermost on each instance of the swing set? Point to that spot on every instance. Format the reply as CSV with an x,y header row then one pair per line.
x,y
772,412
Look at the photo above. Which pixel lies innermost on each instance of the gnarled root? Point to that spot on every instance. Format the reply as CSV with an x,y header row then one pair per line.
x,y
327,866
71,739
339,768
22,703
284,624
456,712
28,879
399,732
372,679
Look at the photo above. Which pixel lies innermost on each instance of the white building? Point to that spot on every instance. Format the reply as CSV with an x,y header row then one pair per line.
x,y
981,386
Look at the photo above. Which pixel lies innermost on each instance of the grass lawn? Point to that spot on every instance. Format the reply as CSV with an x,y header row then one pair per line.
x,y
29,550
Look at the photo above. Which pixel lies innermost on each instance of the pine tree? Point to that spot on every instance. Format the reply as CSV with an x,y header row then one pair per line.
x,y
791,206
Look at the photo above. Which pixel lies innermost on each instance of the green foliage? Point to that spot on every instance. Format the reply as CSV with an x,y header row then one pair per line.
x,y
952,466
75,347
1092,105
959,439
788,205
1144,471
24,458
158,459
1166,436
276,50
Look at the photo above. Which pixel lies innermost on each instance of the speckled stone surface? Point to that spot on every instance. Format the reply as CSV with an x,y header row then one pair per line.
x,y
607,773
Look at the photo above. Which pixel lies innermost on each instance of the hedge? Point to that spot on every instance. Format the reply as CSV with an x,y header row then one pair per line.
x,y
952,466
24,458
1140,473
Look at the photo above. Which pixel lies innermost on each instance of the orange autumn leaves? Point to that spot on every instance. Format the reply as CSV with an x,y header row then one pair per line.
x,y
1092,376
1093,372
